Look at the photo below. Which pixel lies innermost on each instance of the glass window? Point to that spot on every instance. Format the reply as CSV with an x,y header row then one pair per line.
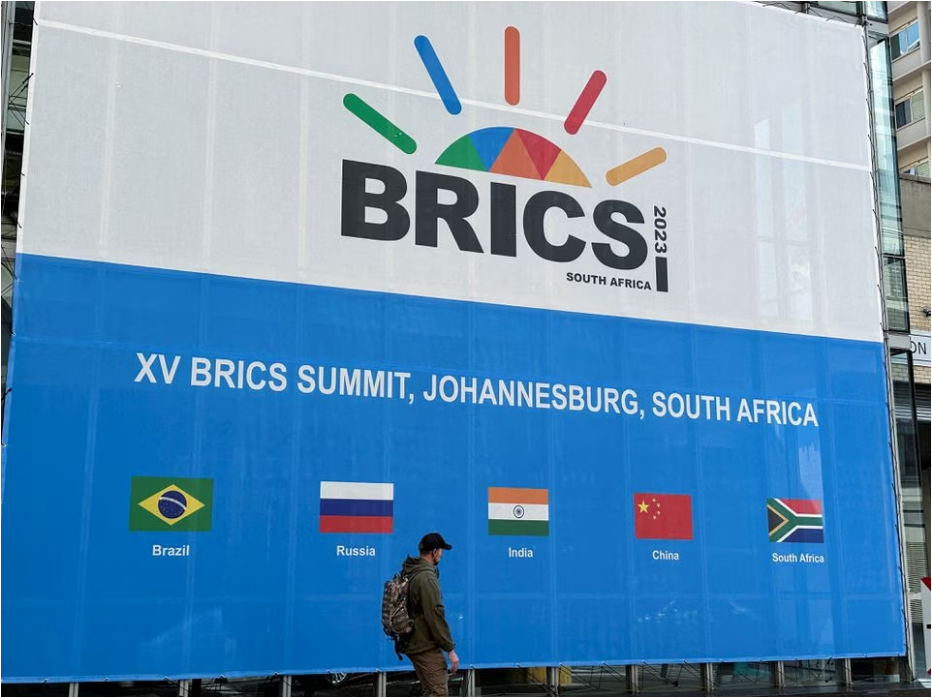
x,y
596,681
237,687
503,681
888,180
910,109
671,677
848,8
337,684
919,169
805,673
905,40
18,82
164,688
876,10
874,670
57,689
742,676
894,282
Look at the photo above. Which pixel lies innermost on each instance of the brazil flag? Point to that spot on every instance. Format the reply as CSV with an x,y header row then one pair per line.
x,y
170,504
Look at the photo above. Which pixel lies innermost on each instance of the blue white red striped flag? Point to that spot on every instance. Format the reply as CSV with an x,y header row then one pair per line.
x,y
356,507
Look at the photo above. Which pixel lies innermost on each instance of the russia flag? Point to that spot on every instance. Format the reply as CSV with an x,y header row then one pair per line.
x,y
356,507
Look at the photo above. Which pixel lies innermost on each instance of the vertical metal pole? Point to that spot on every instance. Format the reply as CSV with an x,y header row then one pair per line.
x,y
471,682
73,689
285,686
553,680
779,674
707,675
843,667
633,679
381,684
184,689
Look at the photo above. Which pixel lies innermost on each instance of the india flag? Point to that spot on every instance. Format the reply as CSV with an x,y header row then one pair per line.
x,y
519,512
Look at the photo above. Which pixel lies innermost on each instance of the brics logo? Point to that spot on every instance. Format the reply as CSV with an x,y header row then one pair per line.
x,y
507,152
161,504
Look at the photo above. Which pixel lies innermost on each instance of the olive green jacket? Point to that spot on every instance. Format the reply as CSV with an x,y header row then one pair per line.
x,y
425,607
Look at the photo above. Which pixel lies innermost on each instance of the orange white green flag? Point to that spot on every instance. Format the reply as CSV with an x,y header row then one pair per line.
x,y
519,511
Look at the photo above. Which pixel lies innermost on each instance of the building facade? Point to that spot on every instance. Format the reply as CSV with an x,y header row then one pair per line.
x,y
909,50
906,270
909,29
911,397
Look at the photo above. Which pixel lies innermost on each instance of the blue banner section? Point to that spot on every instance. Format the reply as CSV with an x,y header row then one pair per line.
x,y
615,490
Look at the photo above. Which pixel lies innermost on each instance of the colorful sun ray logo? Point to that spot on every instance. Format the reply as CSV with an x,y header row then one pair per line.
x,y
505,150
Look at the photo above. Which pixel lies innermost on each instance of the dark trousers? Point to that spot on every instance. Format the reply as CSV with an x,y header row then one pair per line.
x,y
431,669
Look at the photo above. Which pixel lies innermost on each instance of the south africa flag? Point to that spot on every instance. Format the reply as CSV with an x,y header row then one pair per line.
x,y
795,520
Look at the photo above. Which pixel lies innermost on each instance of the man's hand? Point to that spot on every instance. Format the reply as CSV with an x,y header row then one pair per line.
x,y
454,661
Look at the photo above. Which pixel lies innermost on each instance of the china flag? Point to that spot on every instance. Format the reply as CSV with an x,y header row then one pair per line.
x,y
663,517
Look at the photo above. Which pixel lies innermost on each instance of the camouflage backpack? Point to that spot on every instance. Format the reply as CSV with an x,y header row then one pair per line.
x,y
396,622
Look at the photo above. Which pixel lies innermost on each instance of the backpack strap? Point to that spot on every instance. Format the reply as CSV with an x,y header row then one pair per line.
x,y
413,575
400,646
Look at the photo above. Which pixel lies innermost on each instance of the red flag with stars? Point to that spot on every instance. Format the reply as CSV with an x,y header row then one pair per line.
x,y
663,517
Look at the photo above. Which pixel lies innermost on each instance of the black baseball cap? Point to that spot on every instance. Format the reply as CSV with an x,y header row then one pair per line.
x,y
432,541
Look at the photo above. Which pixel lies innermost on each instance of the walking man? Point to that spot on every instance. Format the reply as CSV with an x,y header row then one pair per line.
x,y
431,635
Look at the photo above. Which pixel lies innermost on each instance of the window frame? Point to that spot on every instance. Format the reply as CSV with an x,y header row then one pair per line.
x,y
913,168
852,9
908,99
876,10
895,40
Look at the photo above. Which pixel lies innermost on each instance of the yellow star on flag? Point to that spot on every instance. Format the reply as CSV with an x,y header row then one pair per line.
x,y
642,507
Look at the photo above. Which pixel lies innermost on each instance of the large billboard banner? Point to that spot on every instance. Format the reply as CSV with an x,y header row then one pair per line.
x,y
589,288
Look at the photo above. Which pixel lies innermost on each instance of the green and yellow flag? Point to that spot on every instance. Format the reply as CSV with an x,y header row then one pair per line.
x,y
170,504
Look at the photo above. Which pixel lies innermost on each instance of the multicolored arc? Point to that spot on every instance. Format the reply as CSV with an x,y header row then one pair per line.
x,y
510,151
